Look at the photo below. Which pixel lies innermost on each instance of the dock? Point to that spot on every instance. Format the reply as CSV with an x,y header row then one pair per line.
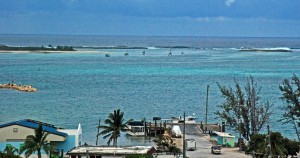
x,y
23,88
154,129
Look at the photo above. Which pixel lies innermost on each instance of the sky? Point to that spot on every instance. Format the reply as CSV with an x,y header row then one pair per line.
x,y
233,18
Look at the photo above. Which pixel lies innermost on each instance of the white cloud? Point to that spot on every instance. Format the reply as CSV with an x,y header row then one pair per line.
x,y
229,2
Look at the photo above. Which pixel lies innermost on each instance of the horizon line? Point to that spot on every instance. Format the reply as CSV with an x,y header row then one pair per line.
x,y
157,35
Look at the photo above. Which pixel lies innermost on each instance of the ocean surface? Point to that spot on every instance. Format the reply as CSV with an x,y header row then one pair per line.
x,y
85,86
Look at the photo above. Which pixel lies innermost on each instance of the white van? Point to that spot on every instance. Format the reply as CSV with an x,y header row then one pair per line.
x,y
176,132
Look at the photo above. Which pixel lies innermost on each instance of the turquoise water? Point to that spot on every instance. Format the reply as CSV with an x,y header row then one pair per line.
x,y
83,87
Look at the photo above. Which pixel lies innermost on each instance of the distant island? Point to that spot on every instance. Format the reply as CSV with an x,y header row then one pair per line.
x,y
126,47
109,47
42,48
23,88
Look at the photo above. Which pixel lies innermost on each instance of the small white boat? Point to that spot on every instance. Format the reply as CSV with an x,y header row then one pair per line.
x,y
137,128
188,119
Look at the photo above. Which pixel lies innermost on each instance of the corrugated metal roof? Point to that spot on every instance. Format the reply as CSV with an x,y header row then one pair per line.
x,y
110,150
34,124
222,134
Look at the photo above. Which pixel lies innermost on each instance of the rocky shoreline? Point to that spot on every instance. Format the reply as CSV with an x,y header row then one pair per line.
x,y
23,88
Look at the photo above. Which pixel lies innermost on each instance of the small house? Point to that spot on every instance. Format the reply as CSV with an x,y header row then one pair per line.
x,y
225,139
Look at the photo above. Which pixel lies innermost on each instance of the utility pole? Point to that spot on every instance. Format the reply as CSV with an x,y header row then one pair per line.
x,y
145,127
184,154
206,107
269,142
98,132
240,133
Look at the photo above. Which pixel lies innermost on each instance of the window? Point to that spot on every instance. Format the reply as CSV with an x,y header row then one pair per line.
x,y
15,129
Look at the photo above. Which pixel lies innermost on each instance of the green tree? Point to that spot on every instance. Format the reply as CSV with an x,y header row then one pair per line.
x,y
291,146
10,151
291,94
163,142
115,124
280,146
36,143
277,145
175,150
258,144
243,110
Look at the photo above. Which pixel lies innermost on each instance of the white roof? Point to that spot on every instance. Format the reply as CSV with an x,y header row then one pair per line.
x,y
109,150
223,134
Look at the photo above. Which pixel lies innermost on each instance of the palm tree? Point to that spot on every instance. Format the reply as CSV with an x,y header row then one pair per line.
x,y
260,144
37,142
10,150
114,126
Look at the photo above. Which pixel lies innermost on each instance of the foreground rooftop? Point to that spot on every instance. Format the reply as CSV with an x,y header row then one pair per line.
x,y
109,150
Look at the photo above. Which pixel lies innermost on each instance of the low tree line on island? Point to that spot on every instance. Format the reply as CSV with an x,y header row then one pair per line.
x,y
42,48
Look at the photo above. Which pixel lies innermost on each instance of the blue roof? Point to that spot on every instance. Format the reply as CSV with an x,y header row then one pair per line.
x,y
34,124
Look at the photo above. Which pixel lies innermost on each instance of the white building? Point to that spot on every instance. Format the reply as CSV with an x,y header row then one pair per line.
x,y
15,133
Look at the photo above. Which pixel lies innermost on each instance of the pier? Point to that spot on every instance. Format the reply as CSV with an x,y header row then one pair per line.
x,y
154,129
23,88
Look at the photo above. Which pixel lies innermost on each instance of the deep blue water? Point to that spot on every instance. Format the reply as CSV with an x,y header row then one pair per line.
x,y
83,87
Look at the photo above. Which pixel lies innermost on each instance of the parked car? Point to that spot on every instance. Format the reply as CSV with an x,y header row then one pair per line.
x,y
216,149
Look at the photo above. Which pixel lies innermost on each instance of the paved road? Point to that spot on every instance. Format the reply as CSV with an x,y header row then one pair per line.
x,y
204,146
